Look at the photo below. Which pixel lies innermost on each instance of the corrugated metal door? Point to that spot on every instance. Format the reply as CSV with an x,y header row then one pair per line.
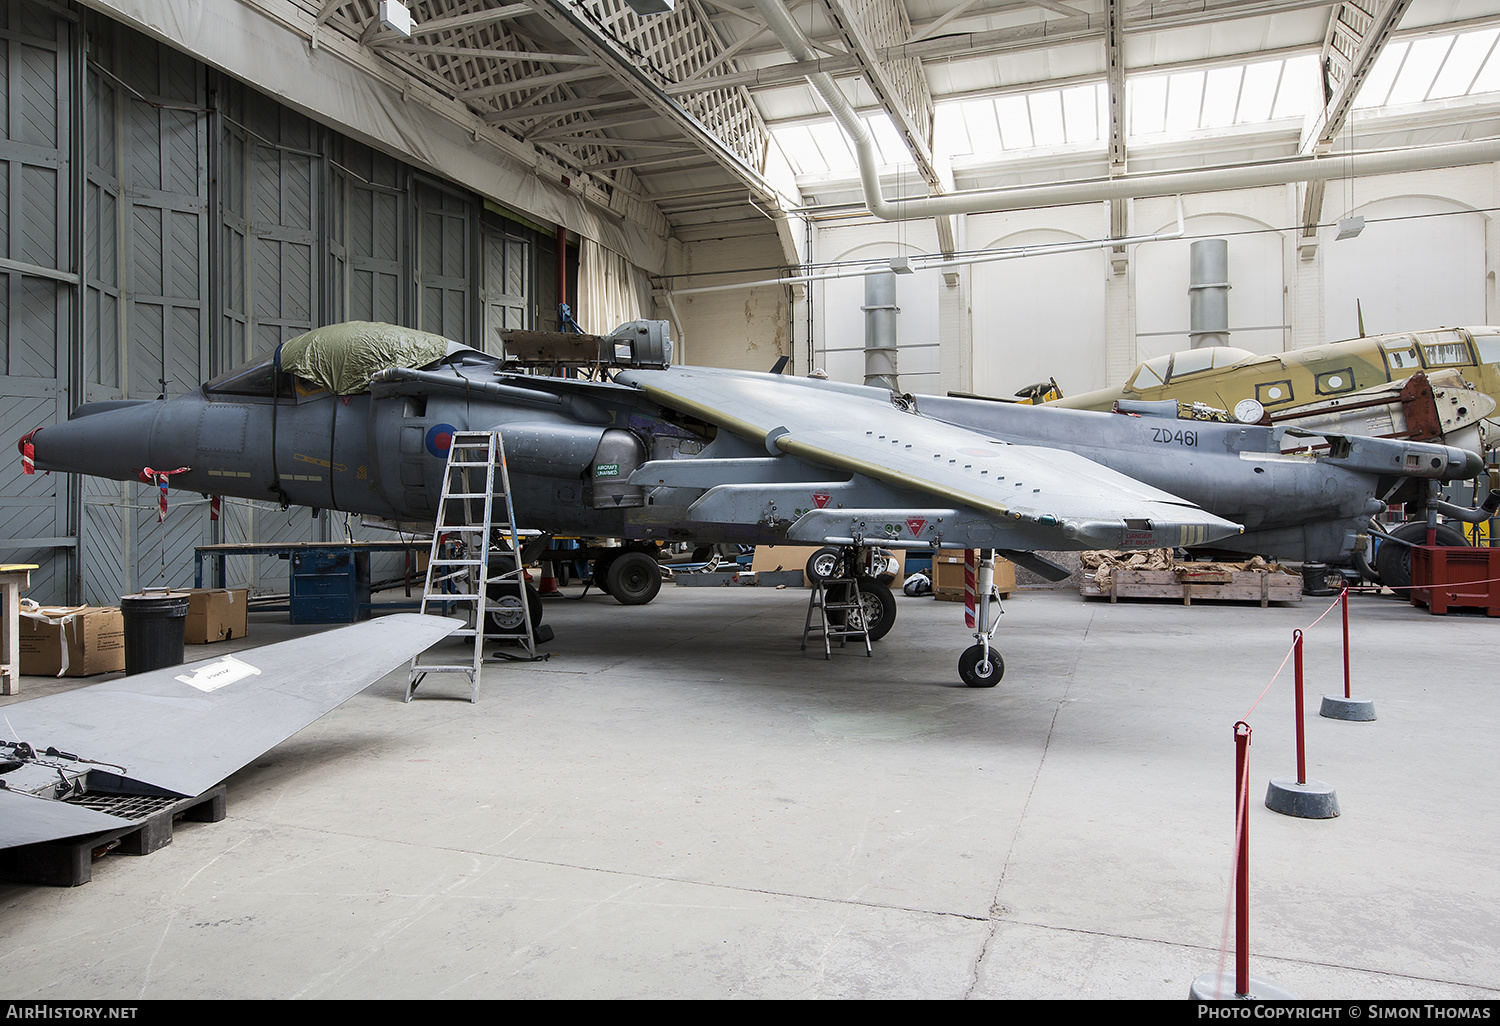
x,y
36,280
445,226
271,176
507,286
164,170
366,236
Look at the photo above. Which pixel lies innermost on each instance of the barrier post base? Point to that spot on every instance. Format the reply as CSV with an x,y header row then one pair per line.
x,y
1336,707
1312,800
1220,987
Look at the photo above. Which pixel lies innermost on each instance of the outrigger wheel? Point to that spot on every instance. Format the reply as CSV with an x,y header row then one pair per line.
x,y
981,666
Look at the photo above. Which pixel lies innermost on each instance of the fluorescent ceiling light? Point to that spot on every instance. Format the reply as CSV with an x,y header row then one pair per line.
x,y
396,16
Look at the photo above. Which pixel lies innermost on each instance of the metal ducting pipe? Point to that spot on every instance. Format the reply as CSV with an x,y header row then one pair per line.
x,y
1166,183
880,328
1208,293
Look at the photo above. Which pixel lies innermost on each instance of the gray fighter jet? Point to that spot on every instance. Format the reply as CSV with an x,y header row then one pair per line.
x,y
653,453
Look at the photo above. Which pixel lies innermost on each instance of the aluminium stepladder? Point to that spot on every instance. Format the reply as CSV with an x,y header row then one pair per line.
x,y
845,599
458,564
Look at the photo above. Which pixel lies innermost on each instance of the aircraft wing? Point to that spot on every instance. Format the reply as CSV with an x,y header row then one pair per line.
x,y
860,430
183,729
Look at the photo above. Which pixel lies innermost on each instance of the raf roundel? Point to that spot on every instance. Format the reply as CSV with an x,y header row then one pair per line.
x,y
439,439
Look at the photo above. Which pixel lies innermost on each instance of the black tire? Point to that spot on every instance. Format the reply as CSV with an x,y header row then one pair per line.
x,y
1393,562
823,564
633,578
974,671
878,602
502,614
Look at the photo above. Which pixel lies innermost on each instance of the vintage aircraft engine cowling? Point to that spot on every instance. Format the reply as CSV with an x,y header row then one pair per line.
x,y
619,455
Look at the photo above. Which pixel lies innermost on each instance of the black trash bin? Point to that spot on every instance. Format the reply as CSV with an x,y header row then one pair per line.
x,y
154,628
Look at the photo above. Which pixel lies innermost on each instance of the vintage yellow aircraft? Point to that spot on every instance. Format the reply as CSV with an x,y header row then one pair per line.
x,y
1223,377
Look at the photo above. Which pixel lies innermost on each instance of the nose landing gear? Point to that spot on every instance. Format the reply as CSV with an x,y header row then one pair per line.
x,y
980,666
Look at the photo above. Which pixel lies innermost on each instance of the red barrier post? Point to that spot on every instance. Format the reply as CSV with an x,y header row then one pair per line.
x,y
1301,741
1344,598
1242,876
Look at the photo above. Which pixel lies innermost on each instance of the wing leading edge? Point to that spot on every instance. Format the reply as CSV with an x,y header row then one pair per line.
x,y
1036,497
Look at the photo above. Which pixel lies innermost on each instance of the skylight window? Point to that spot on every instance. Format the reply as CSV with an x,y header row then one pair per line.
x,y
1020,121
1423,59
1464,62
1184,102
1082,114
819,148
1433,68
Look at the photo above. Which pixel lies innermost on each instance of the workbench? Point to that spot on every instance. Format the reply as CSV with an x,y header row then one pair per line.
x,y
14,578
330,581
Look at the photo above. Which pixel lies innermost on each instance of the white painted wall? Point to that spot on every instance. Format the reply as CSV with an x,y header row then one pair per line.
x,y
839,320
1080,319
746,329
1039,317
1256,295
1405,274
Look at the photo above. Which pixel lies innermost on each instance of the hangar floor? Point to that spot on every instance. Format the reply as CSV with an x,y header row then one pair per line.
x,y
683,804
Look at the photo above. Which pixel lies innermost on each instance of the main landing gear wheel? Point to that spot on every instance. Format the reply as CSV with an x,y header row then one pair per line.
x,y
503,609
977,671
1393,562
878,607
823,564
633,578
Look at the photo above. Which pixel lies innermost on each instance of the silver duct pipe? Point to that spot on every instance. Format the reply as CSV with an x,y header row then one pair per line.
x,y
1208,293
880,328
1163,183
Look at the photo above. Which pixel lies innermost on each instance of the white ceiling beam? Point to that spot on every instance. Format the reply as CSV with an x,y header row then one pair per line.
x,y
1114,78
1358,31
995,42
550,110
531,84
608,53
473,19
1059,8
932,28
899,85
485,53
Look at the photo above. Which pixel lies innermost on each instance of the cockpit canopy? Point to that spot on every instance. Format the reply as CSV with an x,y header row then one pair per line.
x,y
338,358
1159,370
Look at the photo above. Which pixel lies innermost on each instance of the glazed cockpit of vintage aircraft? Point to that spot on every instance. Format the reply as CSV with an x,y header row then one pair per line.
x,y
358,417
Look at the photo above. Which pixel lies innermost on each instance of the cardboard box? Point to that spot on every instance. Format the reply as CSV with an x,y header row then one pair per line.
x,y
216,614
781,557
71,641
948,575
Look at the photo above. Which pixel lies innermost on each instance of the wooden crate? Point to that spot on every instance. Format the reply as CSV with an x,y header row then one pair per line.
x,y
1184,585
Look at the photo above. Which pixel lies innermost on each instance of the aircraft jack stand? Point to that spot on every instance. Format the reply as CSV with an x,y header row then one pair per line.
x,y
847,606
980,666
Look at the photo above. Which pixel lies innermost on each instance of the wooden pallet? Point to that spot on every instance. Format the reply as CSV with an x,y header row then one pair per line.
x,y
1184,584
69,862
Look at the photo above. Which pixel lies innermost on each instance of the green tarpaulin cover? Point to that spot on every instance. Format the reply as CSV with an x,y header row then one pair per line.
x,y
341,357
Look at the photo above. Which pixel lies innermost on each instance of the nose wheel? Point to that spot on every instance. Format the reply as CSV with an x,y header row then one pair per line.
x,y
980,667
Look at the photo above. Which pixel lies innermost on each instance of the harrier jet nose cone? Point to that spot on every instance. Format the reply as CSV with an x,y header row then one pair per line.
x,y
102,439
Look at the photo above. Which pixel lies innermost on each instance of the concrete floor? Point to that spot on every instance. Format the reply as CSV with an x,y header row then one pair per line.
x,y
683,804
